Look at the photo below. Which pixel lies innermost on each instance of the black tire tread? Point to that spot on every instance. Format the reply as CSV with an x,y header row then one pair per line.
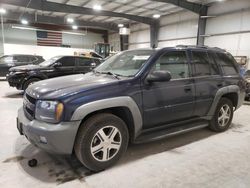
x,y
213,123
82,137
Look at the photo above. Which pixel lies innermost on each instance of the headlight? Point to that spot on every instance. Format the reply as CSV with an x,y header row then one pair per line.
x,y
49,111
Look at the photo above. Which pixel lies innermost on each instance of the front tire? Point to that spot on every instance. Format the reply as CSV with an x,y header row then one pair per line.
x,y
30,82
101,141
223,116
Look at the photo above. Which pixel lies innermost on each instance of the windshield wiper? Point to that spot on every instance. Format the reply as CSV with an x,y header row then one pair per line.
x,y
109,73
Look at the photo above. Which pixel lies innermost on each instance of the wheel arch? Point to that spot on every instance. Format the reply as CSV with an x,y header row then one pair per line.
x,y
123,107
231,92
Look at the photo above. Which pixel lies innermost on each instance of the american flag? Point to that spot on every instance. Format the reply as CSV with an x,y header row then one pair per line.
x,y
47,38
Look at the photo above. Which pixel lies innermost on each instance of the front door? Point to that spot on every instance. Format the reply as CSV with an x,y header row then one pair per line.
x,y
171,101
68,66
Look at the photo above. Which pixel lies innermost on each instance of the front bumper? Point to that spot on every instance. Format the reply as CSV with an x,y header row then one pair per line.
x,y
15,80
53,138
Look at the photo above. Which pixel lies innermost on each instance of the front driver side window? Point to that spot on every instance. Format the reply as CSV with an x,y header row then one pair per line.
x,y
175,62
67,61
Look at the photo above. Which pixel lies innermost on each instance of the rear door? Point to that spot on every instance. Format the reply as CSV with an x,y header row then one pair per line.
x,y
166,102
5,63
85,64
207,79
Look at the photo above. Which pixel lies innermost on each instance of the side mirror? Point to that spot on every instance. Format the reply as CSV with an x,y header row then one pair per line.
x,y
57,64
159,76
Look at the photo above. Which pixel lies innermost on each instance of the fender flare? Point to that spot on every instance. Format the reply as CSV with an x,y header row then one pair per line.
x,y
219,94
82,111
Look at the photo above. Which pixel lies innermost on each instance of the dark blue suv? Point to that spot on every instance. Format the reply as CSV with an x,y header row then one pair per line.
x,y
135,96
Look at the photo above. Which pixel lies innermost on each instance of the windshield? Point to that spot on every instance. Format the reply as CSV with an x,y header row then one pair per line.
x,y
50,61
126,63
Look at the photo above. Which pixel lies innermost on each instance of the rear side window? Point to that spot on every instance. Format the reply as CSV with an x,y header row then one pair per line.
x,y
67,61
21,59
200,63
175,62
227,63
214,66
84,61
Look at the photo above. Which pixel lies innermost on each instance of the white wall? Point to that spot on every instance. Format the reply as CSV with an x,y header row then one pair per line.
x,y
179,28
46,52
28,37
230,29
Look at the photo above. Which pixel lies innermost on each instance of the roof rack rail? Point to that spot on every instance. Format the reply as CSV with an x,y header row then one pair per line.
x,y
198,46
191,46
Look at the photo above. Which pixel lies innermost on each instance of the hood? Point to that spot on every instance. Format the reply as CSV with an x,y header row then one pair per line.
x,y
27,68
67,85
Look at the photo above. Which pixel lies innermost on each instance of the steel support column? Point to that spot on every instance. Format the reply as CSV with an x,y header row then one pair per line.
x,y
154,32
202,27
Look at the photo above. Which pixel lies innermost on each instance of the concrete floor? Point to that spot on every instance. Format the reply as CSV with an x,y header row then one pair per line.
x,y
196,159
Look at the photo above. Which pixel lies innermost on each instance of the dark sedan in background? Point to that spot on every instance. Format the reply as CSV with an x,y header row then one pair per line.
x,y
23,76
8,61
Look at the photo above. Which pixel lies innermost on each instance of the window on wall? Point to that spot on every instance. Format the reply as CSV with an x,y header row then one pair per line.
x,y
175,62
200,62
227,63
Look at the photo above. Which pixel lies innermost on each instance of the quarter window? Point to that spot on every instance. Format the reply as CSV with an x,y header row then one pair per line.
x,y
200,62
175,62
227,63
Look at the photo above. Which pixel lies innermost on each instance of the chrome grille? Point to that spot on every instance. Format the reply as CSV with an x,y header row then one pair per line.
x,y
29,104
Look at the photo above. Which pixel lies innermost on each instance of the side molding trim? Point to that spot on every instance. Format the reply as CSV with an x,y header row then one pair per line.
x,y
82,111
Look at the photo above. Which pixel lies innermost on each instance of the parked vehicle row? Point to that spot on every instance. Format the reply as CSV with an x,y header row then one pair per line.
x,y
135,96
8,61
23,76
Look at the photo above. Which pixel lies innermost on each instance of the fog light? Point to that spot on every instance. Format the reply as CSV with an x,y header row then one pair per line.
x,y
43,140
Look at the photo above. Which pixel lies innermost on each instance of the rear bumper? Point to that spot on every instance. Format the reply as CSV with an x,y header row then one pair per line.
x,y
53,138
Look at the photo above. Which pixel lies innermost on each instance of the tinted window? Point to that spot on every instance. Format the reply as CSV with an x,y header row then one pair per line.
x,y
6,59
174,62
200,62
21,59
67,61
227,63
32,58
84,61
214,67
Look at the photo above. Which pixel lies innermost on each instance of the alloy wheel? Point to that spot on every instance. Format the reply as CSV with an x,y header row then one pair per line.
x,y
106,143
224,115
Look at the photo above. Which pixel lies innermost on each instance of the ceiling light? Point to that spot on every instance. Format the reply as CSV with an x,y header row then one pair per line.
x,y
75,27
25,22
35,29
70,20
120,25
2,11
156,16
97,7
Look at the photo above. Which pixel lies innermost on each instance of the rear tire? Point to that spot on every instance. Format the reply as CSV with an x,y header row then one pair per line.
x,y
30,82
101,141
223,116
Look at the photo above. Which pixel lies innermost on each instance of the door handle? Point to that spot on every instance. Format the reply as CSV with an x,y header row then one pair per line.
x,y
219,85
187,89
